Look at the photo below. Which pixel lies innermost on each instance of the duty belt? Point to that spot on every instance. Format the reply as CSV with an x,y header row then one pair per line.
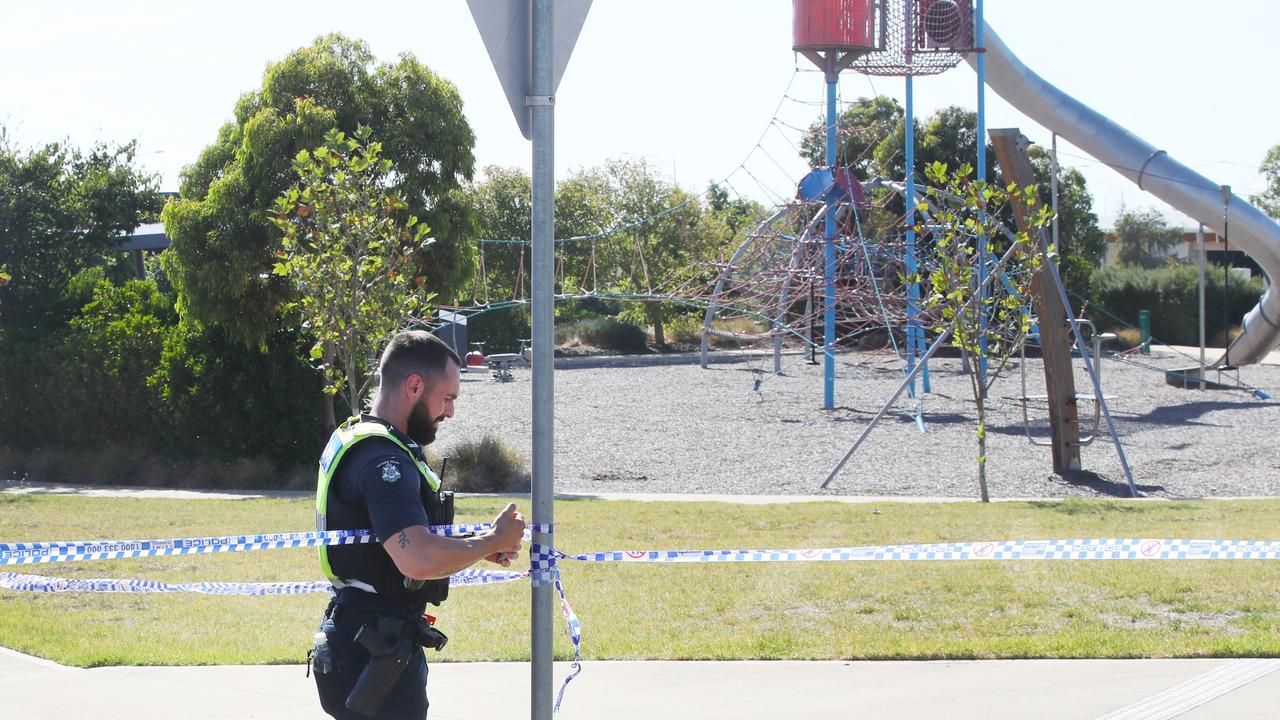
x,y
355,617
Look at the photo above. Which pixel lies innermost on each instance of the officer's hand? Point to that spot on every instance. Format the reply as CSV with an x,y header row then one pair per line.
x,y
503,559
508,531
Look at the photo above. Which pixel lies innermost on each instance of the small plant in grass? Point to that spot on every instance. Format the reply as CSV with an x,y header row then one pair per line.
x,y
987,321
1128,338
487,465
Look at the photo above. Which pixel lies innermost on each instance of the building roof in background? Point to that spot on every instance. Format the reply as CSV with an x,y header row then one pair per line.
x,y
146,237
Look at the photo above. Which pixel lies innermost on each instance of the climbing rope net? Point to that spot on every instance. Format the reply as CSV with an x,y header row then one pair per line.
x,y
919,37
769,286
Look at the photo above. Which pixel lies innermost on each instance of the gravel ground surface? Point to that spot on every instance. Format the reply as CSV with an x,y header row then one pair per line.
x,y
681,429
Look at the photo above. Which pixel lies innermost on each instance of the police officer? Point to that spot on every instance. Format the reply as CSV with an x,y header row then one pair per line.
x,y
373,475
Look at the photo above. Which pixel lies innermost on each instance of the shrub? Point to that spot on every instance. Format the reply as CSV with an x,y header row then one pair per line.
x,y
1126,339
112,349
225,401
732,332
587,308
117,464
1171,294
685,329
606,333
487,465
87,383
185,402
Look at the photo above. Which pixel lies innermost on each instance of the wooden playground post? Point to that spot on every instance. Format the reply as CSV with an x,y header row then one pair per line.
x,y
1055,341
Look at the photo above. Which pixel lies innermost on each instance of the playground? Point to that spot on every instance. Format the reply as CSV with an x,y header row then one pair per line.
x,y
848,257
684,429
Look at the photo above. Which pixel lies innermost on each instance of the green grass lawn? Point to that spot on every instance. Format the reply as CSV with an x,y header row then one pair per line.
x,y
831,610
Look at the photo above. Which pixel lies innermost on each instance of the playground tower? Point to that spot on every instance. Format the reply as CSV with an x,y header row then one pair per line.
x,y
879,37
832,34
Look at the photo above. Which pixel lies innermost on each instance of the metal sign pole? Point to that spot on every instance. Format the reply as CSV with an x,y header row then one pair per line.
x,y
529,42
540,100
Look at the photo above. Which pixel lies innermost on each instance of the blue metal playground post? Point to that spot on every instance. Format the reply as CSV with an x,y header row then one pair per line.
x,y
829,252
980,26
915,333
832,34
913,290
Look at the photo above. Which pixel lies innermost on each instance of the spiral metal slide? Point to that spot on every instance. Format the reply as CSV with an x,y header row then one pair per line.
x,y
1155,172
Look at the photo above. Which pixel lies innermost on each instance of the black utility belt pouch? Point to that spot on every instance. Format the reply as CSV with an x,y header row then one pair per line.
x,y
429,637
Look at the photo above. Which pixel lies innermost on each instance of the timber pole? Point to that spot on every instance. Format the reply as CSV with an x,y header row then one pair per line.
x,y
1053,323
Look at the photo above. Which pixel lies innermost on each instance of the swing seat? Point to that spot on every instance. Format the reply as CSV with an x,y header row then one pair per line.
x,y
1079,396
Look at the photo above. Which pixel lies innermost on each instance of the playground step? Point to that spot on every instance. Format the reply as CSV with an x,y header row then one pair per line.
x,y
1192,377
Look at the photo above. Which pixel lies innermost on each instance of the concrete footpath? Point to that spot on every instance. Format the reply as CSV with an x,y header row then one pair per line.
x,y
989,690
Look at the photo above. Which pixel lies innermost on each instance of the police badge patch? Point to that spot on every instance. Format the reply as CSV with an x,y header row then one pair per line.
x,y
390,471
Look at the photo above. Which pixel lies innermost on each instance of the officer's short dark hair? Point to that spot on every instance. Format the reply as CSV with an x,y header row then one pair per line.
x,y
414,352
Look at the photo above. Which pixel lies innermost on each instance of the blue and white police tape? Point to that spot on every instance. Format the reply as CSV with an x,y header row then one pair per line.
x,y
543,558
42,584
25,553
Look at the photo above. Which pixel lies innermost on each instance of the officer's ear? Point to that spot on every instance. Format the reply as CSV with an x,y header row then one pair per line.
x,y
414,387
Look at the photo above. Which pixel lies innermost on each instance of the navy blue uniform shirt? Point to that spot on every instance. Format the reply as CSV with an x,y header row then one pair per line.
x,y
376,486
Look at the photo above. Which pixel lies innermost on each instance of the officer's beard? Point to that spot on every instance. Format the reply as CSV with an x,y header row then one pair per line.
x,y
422,427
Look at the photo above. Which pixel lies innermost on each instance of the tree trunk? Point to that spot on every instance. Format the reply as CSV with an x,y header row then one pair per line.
x,y
330,419
659,338
330,414
982,447
979,396
353,384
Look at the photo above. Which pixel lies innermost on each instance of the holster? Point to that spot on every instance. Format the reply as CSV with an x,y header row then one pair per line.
x,y
390,644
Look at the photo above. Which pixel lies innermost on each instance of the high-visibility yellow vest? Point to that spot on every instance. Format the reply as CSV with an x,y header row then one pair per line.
x,y
343,439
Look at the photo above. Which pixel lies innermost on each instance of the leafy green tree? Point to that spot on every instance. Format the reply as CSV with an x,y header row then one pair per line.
x,y
584,210
663,238
948,136
348,246
63,210
1144,237
872,135
739,215
872,139
503,205
993,324
1269,200
1078,232
863,128
221,220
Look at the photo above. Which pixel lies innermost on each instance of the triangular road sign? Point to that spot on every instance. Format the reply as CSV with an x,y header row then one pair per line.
x,y
506,28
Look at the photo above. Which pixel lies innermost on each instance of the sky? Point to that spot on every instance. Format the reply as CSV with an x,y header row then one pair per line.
x,y
703,90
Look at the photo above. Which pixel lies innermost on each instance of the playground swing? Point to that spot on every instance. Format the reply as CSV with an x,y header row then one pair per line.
x,y
1085,437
